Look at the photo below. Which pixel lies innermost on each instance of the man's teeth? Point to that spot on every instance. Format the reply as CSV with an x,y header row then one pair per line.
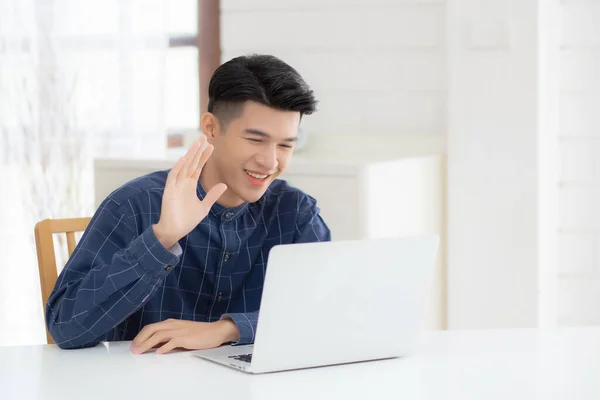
x,y
257,176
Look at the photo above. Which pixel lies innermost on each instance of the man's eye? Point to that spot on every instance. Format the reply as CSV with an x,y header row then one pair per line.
x,y
287,146
254,140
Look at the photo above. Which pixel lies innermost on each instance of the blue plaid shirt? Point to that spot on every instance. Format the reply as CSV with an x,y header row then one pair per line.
x,y
120,278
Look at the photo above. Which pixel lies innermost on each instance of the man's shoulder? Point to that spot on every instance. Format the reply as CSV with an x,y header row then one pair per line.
x,y
146,186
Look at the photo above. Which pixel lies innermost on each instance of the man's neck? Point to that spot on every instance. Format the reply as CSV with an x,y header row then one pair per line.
x,y
209,177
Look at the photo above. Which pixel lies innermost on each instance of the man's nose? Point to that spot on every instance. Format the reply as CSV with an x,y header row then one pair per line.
x,y
268,159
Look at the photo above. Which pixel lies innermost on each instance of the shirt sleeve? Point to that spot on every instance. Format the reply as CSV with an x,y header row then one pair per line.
x,y
112,272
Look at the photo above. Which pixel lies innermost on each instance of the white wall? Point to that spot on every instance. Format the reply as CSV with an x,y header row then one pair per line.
x,y
507,208
579,225
378,66
493,172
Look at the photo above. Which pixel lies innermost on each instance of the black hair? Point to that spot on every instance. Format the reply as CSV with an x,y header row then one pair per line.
x,y
262,78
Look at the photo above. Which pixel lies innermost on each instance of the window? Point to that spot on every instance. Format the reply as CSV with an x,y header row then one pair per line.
x,y
83,79
182,94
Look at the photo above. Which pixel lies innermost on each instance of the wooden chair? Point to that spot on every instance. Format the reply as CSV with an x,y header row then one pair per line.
x,y
44,242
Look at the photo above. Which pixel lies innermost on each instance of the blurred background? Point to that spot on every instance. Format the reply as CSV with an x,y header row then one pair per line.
x,y
473,119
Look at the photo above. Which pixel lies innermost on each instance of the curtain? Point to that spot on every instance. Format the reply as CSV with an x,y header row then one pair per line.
x,y
78,79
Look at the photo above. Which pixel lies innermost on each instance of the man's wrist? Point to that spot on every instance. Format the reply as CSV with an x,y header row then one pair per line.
x,y
229,329
164,239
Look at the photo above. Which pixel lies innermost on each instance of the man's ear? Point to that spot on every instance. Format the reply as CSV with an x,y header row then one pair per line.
x,y
210,126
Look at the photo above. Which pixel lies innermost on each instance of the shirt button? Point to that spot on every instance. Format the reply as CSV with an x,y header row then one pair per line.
x,y
168,267
220,297
227,256
229,215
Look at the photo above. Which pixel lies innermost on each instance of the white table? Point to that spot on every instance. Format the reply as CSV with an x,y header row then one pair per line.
x,y
511,364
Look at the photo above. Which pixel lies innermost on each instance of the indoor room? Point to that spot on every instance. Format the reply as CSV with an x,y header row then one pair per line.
x,y
404,189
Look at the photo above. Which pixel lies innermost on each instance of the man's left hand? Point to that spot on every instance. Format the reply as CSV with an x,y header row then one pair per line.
x,y
190,335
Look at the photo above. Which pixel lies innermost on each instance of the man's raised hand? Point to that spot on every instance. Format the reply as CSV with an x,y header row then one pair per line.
x,y
181,209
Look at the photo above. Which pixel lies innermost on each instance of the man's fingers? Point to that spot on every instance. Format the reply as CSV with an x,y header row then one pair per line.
x,y
150,330
167,347
197,159
213,194
187,168
154,340
146,332
174,172
204,157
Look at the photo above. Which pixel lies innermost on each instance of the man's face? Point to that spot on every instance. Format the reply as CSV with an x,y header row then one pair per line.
x,y
254,150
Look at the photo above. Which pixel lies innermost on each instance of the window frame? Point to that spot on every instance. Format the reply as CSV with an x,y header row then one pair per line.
x,y
208,42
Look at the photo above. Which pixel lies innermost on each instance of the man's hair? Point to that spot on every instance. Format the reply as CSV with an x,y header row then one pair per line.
x,y
261,78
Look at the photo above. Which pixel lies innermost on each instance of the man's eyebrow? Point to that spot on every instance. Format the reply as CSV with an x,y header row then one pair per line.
x,y
265,135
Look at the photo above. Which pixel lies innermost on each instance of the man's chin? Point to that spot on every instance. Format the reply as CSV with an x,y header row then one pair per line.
x,y
253,195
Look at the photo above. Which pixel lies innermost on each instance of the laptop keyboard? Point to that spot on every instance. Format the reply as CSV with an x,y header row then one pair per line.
x,y
242,357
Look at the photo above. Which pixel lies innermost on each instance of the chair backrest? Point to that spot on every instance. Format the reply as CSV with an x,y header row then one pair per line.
x,y
44,242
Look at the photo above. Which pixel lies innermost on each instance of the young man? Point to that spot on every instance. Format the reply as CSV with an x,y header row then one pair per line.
x,y
176,259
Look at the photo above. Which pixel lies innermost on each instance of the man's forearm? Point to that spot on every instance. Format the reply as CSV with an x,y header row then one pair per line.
x,y
85,306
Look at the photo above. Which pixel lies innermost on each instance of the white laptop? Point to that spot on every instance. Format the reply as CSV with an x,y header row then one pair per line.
x,y
337,302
